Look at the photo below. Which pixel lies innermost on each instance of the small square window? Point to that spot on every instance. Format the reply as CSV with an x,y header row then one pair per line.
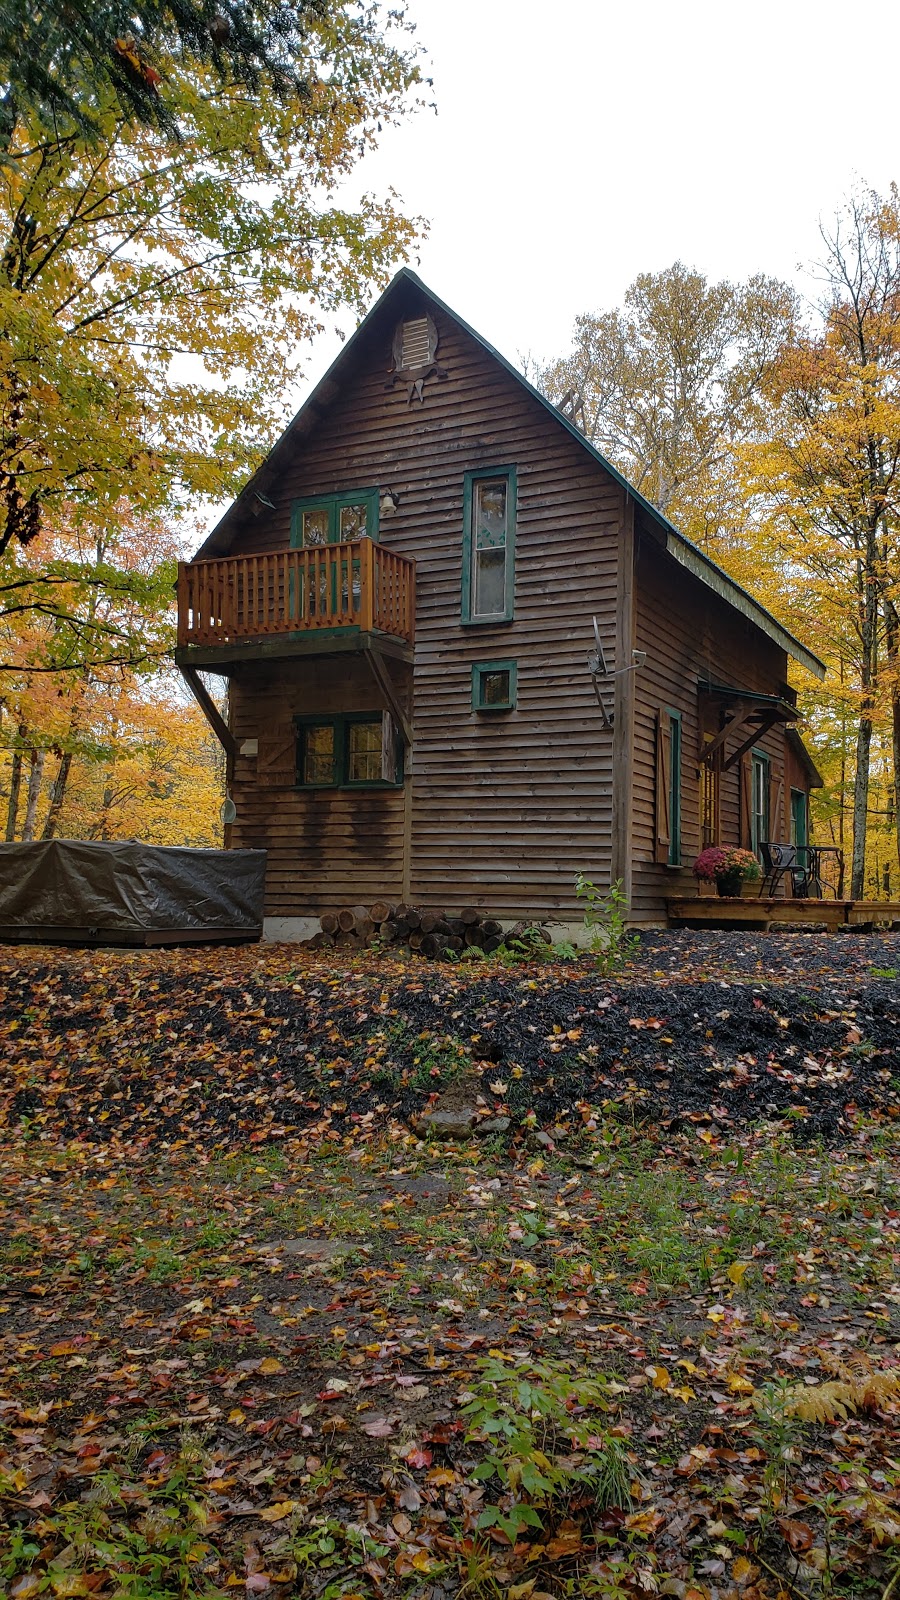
x,y
493,686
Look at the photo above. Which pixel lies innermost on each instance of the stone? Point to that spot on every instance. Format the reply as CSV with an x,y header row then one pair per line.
x,y
453,1123
311,1248
493,1125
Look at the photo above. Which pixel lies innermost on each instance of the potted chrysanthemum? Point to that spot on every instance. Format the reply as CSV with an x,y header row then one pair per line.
x,y
729,870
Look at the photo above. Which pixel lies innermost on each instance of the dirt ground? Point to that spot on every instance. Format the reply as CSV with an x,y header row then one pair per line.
x,y
637,1334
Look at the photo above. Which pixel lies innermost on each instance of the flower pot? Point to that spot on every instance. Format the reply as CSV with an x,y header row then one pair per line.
x,y
730,886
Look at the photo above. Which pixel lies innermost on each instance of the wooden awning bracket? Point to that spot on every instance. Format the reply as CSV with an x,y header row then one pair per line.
x,y
600,670
383,679
210,710
748,717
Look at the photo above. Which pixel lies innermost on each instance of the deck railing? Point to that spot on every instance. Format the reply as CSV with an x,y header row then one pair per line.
x,y
359,585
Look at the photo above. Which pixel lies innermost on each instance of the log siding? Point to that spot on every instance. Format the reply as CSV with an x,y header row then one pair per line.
x,y
503,810
498,811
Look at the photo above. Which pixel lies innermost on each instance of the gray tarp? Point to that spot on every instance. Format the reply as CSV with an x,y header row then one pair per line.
x,y
129,893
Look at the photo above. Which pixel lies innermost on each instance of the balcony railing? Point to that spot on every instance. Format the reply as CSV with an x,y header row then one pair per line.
x,y
240,598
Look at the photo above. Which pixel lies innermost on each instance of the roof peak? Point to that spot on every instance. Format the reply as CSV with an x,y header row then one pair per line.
x,y
678,545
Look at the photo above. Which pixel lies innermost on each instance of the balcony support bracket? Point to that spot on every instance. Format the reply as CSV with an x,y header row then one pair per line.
x,y
210,710
385,683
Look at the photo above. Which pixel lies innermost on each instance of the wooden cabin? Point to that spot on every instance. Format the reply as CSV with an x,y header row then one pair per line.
x,y
466,660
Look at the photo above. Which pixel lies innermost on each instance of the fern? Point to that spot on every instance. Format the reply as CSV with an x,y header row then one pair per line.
x,y
858,1387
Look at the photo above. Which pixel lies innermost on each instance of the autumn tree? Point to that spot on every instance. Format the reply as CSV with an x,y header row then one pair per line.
x,y
63,61
668,386
828,478
155,296
88,618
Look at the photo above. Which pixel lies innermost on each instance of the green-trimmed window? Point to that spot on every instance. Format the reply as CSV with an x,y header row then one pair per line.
x,y
335,518
674,788
352,750
759,800
489,537
493,685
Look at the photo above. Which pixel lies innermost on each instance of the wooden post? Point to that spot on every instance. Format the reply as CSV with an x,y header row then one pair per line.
x,y
623,721
366,585
183,606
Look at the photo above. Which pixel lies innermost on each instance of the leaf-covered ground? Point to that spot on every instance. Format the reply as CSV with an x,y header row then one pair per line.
x,y
259,1335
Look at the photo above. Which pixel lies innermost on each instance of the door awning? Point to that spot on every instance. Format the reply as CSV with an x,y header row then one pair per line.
x,y
747,716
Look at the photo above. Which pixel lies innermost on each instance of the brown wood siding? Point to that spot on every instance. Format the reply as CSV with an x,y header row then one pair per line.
x,y
506,807
326,846
688,633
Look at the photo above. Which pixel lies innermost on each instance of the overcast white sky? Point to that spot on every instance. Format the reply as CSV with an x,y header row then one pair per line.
x,y
577,144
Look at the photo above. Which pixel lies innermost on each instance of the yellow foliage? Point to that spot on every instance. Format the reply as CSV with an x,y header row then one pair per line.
x,y
859,1387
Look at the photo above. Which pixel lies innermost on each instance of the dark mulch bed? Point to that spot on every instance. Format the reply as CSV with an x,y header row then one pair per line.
x,y
213,1047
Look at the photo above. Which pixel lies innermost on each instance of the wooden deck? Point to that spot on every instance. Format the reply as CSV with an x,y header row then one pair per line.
x,y
755,912
321,590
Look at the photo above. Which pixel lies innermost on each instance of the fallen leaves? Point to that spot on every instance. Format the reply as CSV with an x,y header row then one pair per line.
x,y
210,1265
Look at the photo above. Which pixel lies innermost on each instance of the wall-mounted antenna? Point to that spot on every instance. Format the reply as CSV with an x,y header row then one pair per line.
x,y
598,669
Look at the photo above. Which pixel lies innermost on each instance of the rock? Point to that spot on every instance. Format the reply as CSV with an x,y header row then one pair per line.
x,y
426,1186
311,1248
450,1124
493,1125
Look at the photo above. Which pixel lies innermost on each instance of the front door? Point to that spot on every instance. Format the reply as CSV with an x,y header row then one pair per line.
x,y
334,519
799,823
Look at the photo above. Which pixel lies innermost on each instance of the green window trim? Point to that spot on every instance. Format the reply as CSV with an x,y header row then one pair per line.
x,y
468,615
341,724
760,818
333,505
481,671
674,787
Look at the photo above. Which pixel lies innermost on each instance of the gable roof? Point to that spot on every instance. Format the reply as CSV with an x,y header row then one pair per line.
x,y
677,545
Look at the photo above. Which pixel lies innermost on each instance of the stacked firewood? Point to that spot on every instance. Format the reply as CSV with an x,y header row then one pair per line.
x,y
431,933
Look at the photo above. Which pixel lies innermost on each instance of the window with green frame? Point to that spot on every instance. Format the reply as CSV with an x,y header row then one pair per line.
x,y
489,537
493,686
335,518
674,788
759,800
346,751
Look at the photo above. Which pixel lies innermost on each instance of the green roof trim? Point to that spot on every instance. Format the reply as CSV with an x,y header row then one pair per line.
x,y
682,549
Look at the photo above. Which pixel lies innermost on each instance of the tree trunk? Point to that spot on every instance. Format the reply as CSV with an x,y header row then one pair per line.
x,y
35,779
868,613
860,805
15,786
892,642
57,794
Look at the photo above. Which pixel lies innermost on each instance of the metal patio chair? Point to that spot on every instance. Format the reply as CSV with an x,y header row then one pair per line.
x,y
781,861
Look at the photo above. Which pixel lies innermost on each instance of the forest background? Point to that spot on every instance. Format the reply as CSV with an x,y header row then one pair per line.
x,y
171,241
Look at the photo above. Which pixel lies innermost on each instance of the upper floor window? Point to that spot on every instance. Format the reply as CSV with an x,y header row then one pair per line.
x,y
335,518
489,505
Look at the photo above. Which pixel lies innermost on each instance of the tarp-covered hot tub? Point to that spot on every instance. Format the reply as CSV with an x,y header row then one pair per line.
x,y
75,891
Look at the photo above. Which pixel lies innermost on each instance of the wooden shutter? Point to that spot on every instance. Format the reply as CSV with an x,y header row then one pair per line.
x,y
276,760
777,833
746,803
663,786
389,748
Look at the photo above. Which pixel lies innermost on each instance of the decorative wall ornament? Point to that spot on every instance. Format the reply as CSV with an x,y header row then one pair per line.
x,y
414,355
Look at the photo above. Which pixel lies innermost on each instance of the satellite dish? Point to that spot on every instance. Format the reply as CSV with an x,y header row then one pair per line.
x,y
228,811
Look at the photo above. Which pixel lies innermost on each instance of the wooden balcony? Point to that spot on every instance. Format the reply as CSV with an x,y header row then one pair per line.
x,y
314,600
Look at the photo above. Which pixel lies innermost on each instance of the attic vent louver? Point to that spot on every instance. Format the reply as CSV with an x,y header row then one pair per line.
x,y
415,344
413,356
